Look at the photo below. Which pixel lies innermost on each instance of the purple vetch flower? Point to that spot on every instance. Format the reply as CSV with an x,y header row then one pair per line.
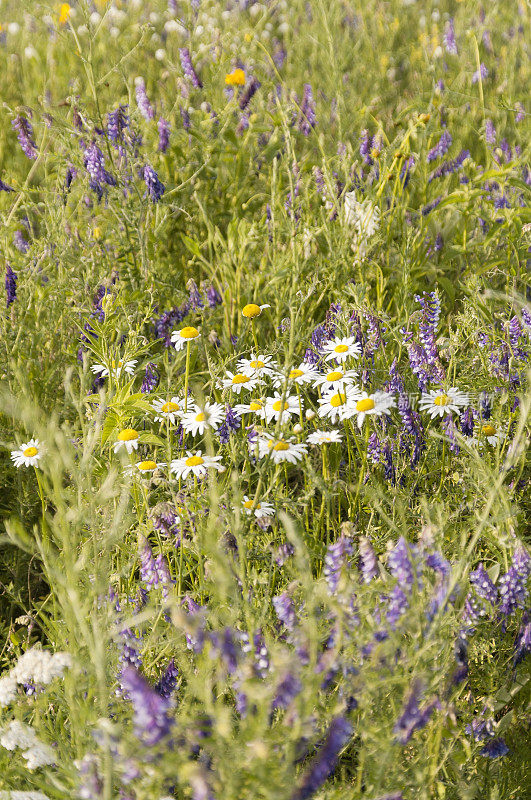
x,y
438,563
283,552
466,420
336,560
90,785
515,331
11,285
148,568
490,132
405,170
366,147
374,450
410,419
212,295
481,73
495,748
441,148
447,168
231,423
286,691
429,207
368,563
117,123
164,324
185,117
225,643
522,645
520,112
243,125
155,188
449,428
483,585
261,655
439,242
285,610
397,605
512,586
142,100
449,38
94,162
307,118
5,188
151,720
325,759
164,134
20,242
188,68
413,717
526,317
196,301
151,379
400,564
387,461
248,93
24,130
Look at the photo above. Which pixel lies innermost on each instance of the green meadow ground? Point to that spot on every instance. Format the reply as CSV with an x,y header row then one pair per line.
x,y
264,400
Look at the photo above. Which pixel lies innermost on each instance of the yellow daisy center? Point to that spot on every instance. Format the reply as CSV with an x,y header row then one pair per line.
x,y
29,452
334,376
201,417
257,364
365,405
296,373
489,430
194,461
251,310
127,435
279,446
147,466
189,332
341,348
255,406
170,406
338,400
239,378
248,504
278,405
441,400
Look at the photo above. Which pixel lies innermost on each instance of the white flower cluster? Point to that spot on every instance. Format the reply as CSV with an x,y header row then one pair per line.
x,y
23,796
36,753
34,666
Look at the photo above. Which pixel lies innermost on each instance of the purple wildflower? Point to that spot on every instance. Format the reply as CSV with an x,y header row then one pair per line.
x,y
117,122
243,125
164,134
289,687
249,92
429,207
400,564
188,68
5,188
413,717
466,421
151,719
325,759
212,295
441,148
196,301
522,645
520,112
285,610
366,147
151,379
449,38
387,460
397,604
368,563
94,161
449,428
495,748
24,130
374,450
142,100
148,567
490,132
155,188
11,285
483,585
225,644
336,560
20,242
307,119
410,419
513,585
447,168
481,73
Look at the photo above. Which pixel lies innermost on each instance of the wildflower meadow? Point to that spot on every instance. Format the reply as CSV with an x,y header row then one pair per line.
x,y
265,364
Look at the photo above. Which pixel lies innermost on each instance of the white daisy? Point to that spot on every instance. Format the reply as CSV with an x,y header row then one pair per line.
x,y
324,437
439,402
276,408
377,403
336,379
338,404
364,216
262,509
339,349
115,368
490,433
252,310
28,454
281,449
143,468
239,381
300,375
257,366
198,419
168,409
181,338
127,438
195,464
256,407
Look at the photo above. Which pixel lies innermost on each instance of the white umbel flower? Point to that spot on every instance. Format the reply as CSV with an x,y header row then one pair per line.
x,y
440,402
115,368
168,409
261,509
364,216
127,438
195,464
338,404
199,419
8,690
377,404
40,666
340,349
277,408
28,454
281,449
324,437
